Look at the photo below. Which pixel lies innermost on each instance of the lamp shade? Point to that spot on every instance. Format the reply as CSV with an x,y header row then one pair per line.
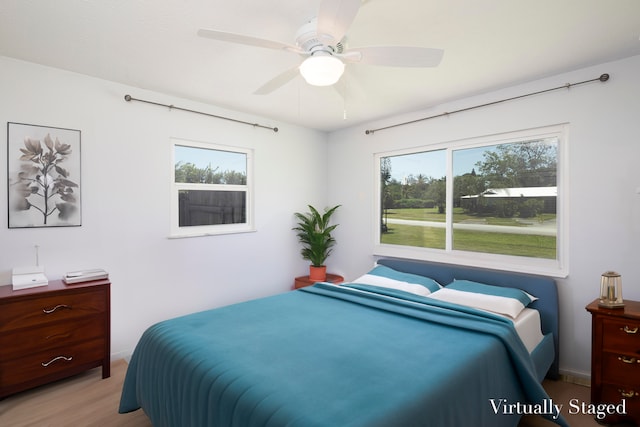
x,y
322,70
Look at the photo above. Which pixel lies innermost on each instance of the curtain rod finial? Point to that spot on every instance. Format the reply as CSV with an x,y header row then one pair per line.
x,y
127,98
604,77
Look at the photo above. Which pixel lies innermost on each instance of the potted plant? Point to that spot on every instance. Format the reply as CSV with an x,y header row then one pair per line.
x,y
314,233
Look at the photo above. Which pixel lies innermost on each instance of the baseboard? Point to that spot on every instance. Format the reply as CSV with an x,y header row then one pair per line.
x,y
126,355
575,378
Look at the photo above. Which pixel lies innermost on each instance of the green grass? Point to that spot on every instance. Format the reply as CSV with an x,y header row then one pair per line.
x,y
417,214
431,214
413,235
526,245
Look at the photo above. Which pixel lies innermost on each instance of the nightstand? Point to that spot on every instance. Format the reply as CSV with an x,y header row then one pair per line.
x,y
52,332
615,357
303,281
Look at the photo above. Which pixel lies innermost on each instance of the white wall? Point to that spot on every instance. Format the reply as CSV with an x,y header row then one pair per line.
x,y
604,152
125,191
125,199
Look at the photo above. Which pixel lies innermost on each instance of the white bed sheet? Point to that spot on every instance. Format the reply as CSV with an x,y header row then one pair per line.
x,y
529,328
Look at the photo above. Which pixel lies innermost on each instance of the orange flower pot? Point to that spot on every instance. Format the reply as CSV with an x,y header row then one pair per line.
x,y
318,274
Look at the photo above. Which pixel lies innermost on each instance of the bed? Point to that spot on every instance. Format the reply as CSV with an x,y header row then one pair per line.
x,y
387,349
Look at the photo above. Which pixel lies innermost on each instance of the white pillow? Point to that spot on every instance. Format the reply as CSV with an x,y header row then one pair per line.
x,y
387,277
497,299
370,279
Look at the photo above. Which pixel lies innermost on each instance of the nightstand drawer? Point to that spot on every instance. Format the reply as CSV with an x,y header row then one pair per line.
x,y
621,368
17,343
615,394
39,311
621,335
51,362
615,352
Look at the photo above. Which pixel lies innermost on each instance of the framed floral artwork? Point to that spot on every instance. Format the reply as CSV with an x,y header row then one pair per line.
x,y
43,165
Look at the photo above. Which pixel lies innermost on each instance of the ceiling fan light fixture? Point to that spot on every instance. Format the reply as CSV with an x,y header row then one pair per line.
x,y
322,70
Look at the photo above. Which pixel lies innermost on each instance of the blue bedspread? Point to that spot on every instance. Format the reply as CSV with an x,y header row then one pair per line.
x,y
330,356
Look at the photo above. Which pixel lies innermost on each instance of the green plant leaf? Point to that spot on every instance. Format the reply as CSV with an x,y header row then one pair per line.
x,y
314,233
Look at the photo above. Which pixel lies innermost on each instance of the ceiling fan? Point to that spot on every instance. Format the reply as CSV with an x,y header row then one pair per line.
x,y
321,41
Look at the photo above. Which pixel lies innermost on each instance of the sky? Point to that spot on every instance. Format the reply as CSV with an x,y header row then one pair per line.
x,y
203,157
434,163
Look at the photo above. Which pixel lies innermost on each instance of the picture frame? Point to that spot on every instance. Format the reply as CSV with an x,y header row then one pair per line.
x,y
44,180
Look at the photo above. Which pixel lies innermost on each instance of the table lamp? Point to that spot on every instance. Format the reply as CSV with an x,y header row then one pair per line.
x,y
611,290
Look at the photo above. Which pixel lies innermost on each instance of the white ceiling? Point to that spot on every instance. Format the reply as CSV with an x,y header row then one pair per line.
x,y
152,44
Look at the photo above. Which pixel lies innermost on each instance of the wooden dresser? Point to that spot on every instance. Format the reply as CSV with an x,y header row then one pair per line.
x,y
51,332
615,358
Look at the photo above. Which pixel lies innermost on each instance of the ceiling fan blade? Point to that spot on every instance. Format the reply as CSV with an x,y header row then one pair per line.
x,y
335,18
278,81
246,40
394,56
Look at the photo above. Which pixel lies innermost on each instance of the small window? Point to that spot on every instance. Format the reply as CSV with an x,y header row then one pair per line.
x,y
211,189
495,201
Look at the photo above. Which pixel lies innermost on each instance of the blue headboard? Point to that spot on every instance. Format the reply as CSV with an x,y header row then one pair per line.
x,y
544,288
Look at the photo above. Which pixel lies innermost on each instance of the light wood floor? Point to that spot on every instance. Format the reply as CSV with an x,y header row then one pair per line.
x,y
83,400
88,400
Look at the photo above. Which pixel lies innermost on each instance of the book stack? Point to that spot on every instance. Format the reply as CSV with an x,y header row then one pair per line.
x,y
84,276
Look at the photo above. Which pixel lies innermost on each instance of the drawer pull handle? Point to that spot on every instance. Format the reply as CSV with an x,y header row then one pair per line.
x,y
626,359
68,359
629,330
58,336
628,393
57,307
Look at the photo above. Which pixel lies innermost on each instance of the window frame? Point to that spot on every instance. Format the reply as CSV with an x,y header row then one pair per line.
x,y
558,267
176,231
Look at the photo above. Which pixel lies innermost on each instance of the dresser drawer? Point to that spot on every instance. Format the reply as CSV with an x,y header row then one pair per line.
x,y
620,368
615,394
21,314
621,334
27,341
51,362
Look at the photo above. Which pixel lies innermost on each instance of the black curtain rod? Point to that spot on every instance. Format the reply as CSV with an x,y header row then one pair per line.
x,y
603,78
129,98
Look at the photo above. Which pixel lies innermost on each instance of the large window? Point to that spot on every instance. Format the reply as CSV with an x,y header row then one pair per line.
x,y
494,201
211,189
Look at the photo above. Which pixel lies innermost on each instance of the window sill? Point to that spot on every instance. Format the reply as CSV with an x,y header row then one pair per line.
x,y
210,233
544,267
